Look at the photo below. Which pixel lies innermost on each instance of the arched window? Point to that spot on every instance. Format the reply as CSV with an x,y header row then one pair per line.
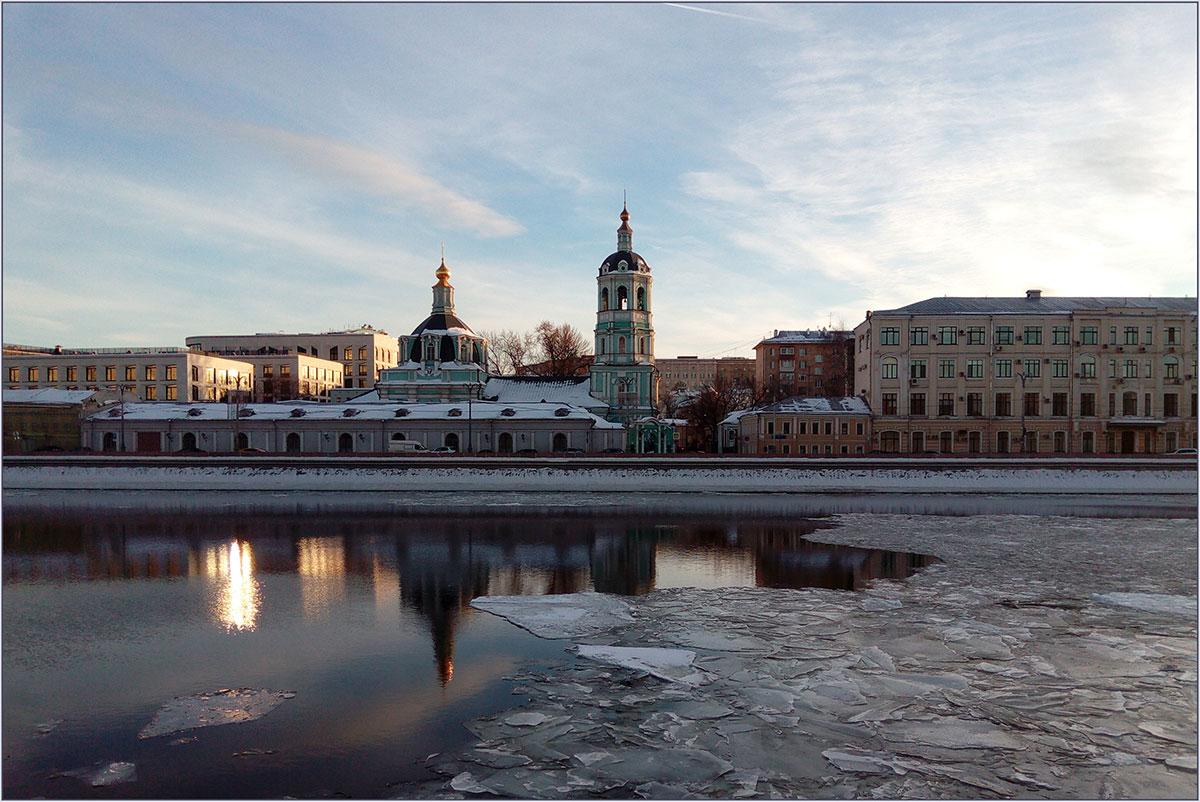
x,y
917,442
242,441
560,442
1087,367
110,441
641,299
620,345
345,443
602,345
889,369
430,349
622,297
604,299
452,441
1170,368
189,442
293,443
505,443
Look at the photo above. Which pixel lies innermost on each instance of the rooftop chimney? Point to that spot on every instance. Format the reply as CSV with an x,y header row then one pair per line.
x,y
1033,295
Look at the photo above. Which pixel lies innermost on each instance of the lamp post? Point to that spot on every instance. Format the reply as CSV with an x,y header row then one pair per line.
x,y
470,439
1024,438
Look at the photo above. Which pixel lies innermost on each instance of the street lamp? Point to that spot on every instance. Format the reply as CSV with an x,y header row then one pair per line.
x,y
1024,433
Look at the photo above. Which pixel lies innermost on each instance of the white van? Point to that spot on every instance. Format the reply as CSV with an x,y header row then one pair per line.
x,y
405,447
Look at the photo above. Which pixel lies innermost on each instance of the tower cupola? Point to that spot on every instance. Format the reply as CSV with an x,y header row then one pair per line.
x,y
624,233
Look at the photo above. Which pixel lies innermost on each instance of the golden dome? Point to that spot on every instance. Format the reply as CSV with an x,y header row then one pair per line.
x,y
443,274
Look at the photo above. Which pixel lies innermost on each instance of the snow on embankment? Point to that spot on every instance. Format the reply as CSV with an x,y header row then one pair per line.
x,y
624,478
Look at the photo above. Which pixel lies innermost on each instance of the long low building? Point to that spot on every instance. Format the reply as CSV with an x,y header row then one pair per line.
x,y
301,427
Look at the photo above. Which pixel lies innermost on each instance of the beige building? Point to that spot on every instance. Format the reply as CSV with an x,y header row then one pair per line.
x,y
49,419
800,426
689,373
284,377
362,352
1031,375
152,374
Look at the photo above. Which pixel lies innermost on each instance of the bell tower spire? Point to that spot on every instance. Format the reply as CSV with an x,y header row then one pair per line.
x,y
443,292
625,233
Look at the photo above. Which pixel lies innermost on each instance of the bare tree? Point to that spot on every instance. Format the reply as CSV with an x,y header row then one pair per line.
x,y
508,351
712,404
563,349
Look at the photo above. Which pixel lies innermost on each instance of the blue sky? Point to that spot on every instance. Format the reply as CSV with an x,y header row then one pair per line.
x,y
182,169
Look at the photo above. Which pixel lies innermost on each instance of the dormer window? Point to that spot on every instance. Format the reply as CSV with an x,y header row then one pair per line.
x,y
622,265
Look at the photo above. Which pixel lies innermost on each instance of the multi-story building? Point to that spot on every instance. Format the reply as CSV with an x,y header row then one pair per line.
x,y
283,377
152,374
798,426
49,419
689,373
805,363
363,352
1033,375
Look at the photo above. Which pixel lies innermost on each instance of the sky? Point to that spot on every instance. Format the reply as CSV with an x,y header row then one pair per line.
x,y
192,169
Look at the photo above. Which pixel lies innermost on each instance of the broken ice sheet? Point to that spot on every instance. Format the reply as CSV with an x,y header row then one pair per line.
x,y
574,615
673,665
1152,602
44,728
225,706
101,774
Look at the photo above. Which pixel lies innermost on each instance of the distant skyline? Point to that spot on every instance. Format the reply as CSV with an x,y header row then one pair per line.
x,y
196,169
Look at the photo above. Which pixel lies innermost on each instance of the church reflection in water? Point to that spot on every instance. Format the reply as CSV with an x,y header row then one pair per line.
x,y
433,566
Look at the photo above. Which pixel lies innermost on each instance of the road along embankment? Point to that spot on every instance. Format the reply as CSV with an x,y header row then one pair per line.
x,y
601,474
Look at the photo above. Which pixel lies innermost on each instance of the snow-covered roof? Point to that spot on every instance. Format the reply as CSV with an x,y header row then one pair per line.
x,y
315,410
807,336
735,416
533,389
48,395
815,405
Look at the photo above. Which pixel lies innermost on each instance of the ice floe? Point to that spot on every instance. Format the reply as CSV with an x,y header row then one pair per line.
x,y
673,665
575,615
225,706
1151,602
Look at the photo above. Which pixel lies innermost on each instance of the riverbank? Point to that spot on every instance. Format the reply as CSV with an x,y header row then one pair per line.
x,y
607,475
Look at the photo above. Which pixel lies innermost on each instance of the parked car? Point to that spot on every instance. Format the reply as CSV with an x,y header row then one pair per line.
x,y
527,452
445,450
405,447
1184,452
487,452
570,451
613,451
252,450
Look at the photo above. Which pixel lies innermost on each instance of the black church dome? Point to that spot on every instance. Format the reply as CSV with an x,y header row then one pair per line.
x,y
440,323
624,261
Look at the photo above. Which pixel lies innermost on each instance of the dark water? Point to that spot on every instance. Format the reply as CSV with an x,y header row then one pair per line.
x,y
109,613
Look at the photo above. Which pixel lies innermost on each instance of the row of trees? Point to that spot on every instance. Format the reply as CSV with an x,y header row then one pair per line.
x,y
551,349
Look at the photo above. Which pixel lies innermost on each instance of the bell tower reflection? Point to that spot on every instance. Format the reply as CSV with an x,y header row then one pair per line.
x,y
625,564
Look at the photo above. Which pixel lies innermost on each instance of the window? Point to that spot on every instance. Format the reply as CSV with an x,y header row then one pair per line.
x,y
1112,368
975,335
151,373
787,350
1147,410
1131,333
945,368
211,375
1058,404
31,374
51,374
1129,403
1032,404
1112,335
110,373
1149,335
889,442
917,369
1004,335
1003,404
947,335
974,368
1112,404
131,373
1089,335
845,428
1003,368
945,403
362,368
90,373
918,335
171,372
916,404
1061,368
151,392
770,427
1032,368
362,352
268,370
1172,335
1087,368
802,427
1087,405
889,369
828,428
889,403
1060,335
819,358
858,429
889,336
172,392
1149,369
975,404
1033,335
72,373
285,370
14,374
1170,368
1129,369
787,427
1170,405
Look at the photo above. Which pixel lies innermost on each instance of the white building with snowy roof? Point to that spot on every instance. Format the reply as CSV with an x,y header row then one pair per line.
x,y
359,427
800,425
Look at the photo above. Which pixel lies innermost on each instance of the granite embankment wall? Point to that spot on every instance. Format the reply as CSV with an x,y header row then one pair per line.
x,y
611,474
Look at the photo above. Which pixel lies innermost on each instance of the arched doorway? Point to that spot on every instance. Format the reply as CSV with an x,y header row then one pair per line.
x,y
241,441
1089,442
110,441
974,442
560,442
452,441
1128,442
293,443
1060,442
505,443
345,443
946,442
1031,439
1002,443
189,442
918,442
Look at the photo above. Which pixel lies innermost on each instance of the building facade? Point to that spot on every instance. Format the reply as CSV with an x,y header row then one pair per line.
x,y
805,363
443,360
623,371
814,426
49,419
151,374
1031,375
286,377
690,373
363,352
301,427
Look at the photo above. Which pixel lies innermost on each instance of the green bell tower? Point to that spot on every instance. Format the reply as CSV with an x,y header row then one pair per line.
x,y
623,372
